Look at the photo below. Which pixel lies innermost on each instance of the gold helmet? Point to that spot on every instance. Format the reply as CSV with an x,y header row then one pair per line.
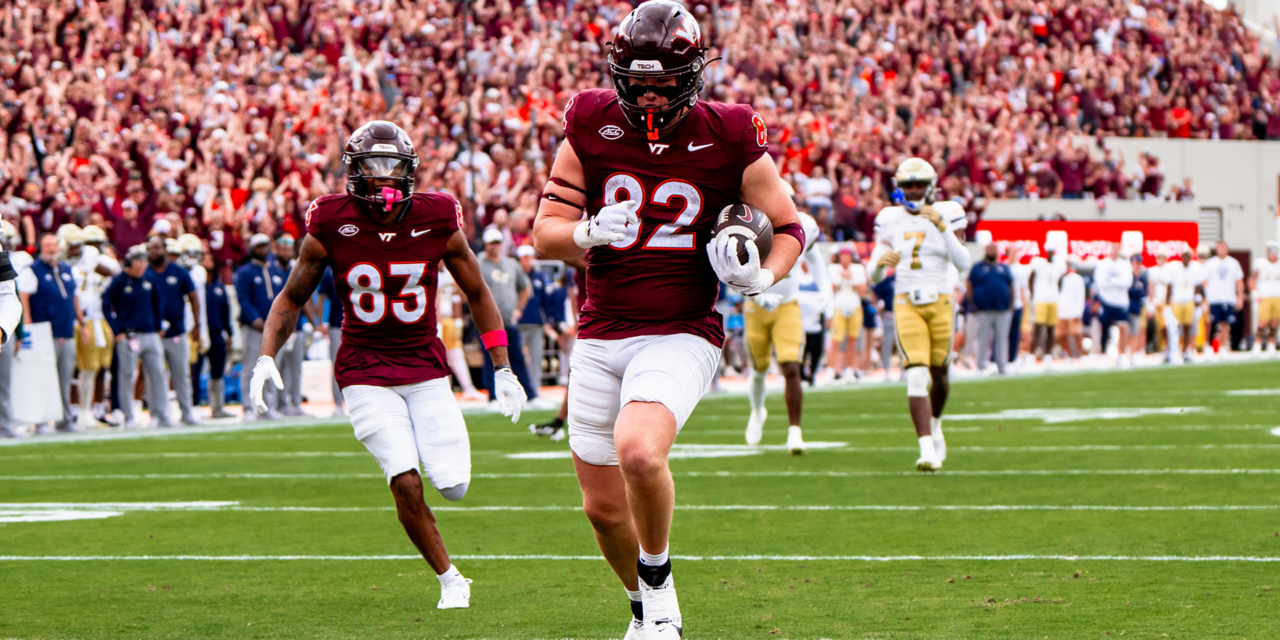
x,y
8,234
69,234
93,234
914,172
189,243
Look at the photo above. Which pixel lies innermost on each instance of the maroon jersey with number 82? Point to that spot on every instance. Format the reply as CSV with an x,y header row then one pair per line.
x,y
386,282
658,280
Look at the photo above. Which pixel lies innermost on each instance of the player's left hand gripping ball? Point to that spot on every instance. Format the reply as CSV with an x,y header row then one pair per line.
x,y
510,394
747,278
262,371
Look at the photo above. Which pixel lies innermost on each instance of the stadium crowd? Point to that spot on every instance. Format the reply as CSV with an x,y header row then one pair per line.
x,y
225,120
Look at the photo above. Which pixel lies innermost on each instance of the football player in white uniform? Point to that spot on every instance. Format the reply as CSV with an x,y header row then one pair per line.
x,y
1046,279
849,285
94,341
921,240
1184,278
19,269
1266,284
773,319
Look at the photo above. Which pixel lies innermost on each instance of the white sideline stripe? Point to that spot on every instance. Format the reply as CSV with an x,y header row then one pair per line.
x,y
1253,392
594,558
680,474
124,506
679,450
734,450
235,506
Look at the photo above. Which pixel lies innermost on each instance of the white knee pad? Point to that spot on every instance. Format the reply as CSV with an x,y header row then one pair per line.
x,y
593,449
454,493
918,379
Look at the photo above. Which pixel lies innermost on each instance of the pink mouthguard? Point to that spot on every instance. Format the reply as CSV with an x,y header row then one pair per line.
x,y
391,196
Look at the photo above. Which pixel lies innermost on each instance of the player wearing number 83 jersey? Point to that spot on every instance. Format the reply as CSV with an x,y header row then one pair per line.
x,y
385,245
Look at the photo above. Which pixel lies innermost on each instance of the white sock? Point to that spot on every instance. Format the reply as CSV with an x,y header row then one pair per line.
x,y
449,575
926,447
793,432
935,428
757,391
654,559
634,596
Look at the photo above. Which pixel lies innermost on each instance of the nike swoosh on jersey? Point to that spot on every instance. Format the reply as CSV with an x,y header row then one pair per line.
x,y
701,146
415,233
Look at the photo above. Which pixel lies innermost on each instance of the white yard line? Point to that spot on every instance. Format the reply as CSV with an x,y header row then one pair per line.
x,y
680,474
235,506
708,558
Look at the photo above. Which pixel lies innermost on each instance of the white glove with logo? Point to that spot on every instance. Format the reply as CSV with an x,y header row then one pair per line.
x,y
749,279
510,395
608,225
264,370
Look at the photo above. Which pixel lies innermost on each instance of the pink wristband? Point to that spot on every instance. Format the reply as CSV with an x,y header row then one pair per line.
x,y
495,338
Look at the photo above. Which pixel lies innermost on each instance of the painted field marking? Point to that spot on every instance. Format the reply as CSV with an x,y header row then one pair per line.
x,y
686,451
1253,392
679,474
692,558
1067,414
235,506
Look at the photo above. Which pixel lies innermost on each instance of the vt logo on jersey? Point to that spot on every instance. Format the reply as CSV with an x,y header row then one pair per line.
x,y
657,149
387,236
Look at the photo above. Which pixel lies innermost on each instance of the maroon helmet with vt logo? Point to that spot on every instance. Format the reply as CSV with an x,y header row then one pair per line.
x,y
658,39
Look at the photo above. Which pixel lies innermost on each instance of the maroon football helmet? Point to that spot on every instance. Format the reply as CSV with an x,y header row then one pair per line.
x,y
658,39
380,150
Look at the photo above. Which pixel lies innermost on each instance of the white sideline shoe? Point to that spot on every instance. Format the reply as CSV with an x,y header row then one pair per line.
x,y
795,441
635,630
755,426
455,594
661,611
929,464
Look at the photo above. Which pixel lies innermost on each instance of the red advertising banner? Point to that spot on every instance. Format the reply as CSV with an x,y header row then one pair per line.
x,y
1092,239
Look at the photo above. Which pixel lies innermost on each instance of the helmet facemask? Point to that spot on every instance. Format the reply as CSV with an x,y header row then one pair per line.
x,y
380,180
924,189
656,120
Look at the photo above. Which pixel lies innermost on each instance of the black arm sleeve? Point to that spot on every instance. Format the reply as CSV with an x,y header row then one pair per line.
x,y
6,269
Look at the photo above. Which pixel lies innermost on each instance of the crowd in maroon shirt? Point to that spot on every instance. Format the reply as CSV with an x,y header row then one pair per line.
x,y
227,118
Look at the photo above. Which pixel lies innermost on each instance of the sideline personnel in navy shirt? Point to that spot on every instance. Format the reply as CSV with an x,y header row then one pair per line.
x,y
218,317
54,301
133,309
991,293
175,284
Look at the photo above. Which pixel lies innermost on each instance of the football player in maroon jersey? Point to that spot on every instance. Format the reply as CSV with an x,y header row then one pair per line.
x,y
651,167
385,245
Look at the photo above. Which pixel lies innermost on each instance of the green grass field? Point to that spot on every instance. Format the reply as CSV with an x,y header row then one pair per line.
x,y
1065,511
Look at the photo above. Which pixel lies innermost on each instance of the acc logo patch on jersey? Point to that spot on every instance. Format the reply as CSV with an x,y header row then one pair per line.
x,y
611,132
171,280
348,230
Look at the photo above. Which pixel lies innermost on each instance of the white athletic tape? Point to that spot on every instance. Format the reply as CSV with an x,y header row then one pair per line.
x,y
917,382
690,558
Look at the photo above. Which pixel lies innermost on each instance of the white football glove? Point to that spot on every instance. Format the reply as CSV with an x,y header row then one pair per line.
x,y
748,279
608,225
264,370
510,395
768,301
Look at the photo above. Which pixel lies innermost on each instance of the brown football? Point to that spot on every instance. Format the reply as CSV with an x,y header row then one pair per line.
x,y
748,222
